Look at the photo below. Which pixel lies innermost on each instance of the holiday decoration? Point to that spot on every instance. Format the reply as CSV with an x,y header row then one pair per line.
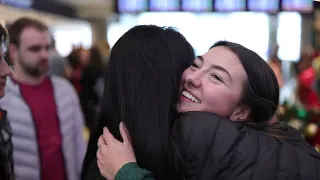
x,y
311,130
316,64
316,67
296,123
303,119
302,112
307,92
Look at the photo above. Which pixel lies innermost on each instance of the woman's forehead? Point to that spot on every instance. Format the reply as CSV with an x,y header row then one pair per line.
x,y
221,55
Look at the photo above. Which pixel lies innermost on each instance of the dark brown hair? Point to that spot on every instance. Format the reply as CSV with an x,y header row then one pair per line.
x,y
3,34
19,25
261,91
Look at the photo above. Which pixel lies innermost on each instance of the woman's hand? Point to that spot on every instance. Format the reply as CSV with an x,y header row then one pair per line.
x,y
113,154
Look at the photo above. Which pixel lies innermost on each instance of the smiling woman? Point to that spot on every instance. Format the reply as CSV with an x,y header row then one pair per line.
x,y
215,79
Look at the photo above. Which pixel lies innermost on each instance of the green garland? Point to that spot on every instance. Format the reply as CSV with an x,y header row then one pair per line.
x,y
298,117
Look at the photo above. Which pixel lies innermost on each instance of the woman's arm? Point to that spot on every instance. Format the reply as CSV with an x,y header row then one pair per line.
x,y
205,139
131,171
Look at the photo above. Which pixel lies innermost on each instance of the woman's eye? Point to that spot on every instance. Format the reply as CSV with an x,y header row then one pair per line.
x,y
194,65
217,77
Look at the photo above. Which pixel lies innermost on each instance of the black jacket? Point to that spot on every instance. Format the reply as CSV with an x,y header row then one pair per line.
x,y
219,149
213,148
6,160
90,95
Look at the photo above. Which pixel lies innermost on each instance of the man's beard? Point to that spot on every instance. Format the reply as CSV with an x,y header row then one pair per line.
x,y
35,71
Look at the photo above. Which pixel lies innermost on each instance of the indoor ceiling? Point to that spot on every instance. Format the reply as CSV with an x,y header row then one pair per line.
x,y
91,8
10,14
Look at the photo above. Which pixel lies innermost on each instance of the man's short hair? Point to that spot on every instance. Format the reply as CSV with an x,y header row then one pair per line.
x,y
19,25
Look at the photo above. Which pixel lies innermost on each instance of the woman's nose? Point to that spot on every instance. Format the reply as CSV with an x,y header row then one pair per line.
x,y
194,79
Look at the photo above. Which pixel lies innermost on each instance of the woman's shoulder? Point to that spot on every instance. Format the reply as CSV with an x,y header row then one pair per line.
x,y
198,124
213,143
205,136
209,127
201,119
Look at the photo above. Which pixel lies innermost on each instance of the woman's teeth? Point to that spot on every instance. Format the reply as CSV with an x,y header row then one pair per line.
x,y
190,96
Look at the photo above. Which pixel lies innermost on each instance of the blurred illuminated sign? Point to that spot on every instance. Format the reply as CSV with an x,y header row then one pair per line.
x,y
132,6
297,5
164,5
268,6
263,5
18,3
196,5
230,5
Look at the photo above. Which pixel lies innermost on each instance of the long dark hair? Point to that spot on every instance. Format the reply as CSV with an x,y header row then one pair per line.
x,y
261,90
3,34
142,86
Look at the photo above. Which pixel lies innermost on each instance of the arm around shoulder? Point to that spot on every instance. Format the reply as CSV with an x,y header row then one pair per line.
x,y
131,171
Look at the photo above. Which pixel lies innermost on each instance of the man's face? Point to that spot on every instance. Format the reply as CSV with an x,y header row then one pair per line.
x,y
4,69
32,54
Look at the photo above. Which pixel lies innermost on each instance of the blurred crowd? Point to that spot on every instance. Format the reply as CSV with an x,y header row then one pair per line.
x,y
84,68
50,102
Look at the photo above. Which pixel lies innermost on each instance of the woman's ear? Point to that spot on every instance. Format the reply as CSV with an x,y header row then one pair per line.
x,y
240,114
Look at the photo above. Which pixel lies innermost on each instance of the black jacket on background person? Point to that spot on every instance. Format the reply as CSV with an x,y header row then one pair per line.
x,y
6,159
213,148
91,93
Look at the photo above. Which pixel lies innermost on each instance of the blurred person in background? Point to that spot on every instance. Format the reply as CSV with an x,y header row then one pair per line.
x,y
306,76
6,161
78,59
57,63
92,86
276,65
44,111
104,49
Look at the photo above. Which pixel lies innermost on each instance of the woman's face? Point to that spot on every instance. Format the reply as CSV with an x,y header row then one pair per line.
x,y
214,83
